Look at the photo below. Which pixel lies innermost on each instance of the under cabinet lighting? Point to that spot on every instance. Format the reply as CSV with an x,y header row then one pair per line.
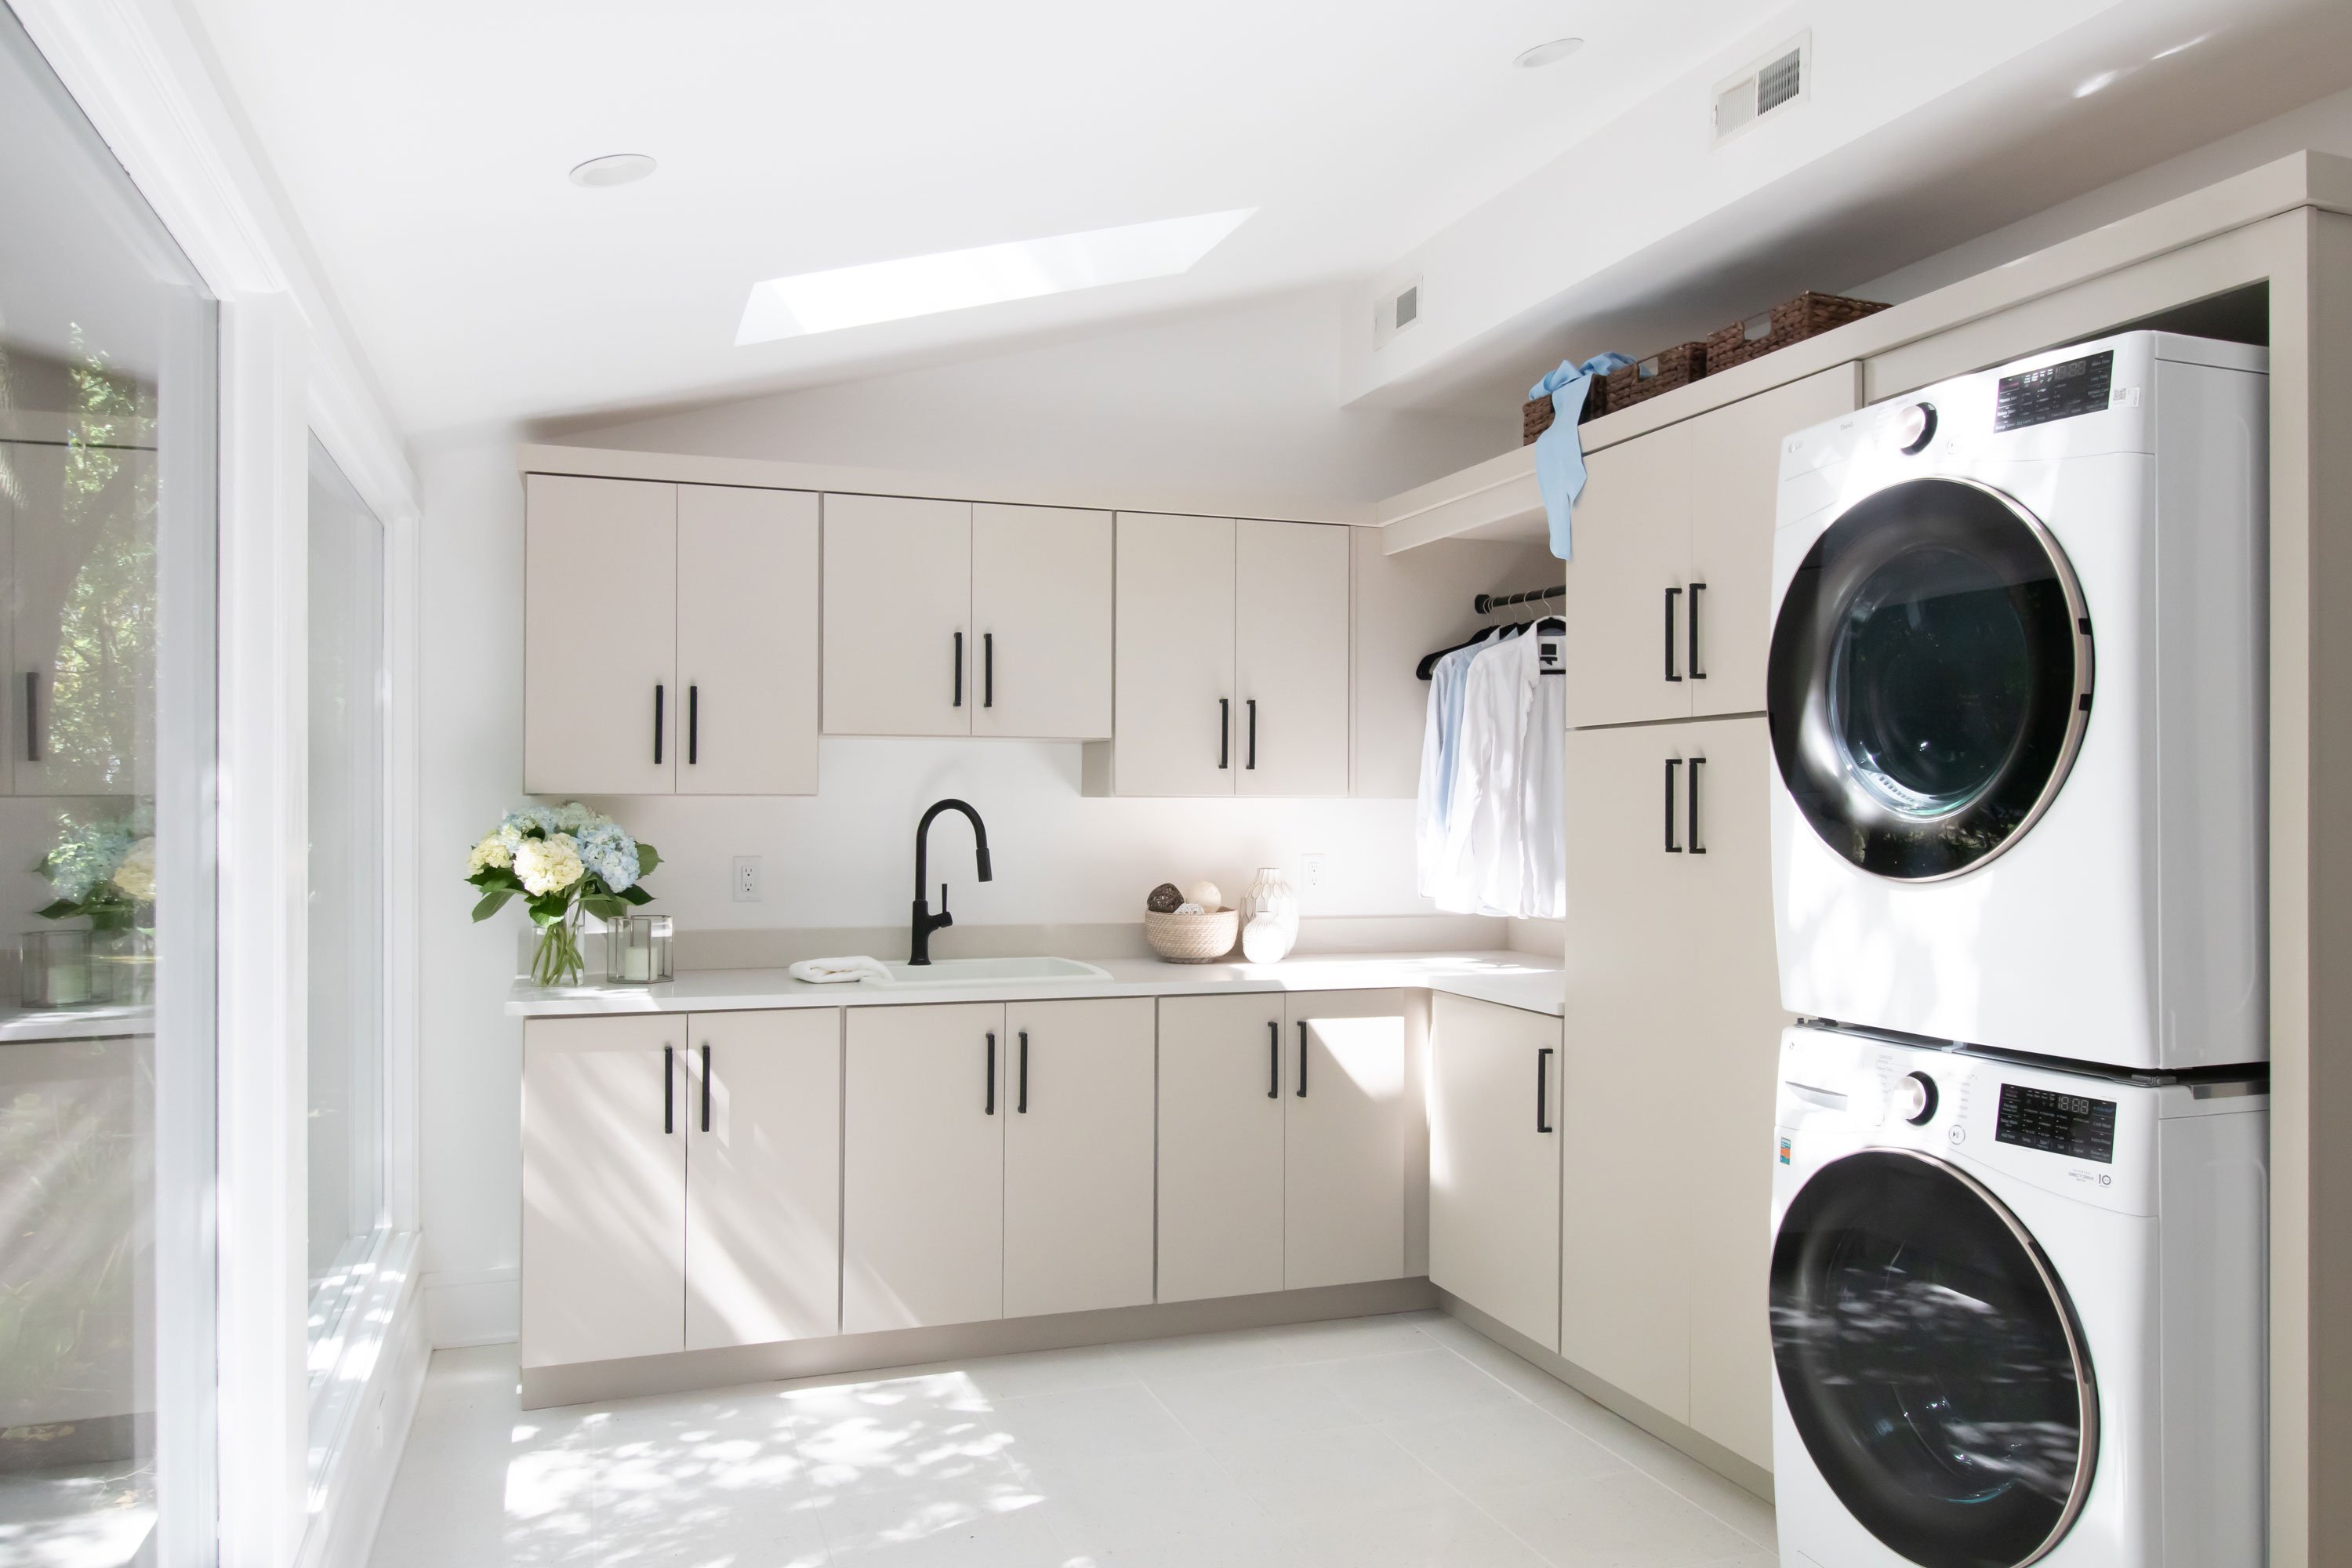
x,y
985,275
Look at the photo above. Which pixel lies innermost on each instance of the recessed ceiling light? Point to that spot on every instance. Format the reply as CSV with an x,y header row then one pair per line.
x,y
1548,54
958,280
618,169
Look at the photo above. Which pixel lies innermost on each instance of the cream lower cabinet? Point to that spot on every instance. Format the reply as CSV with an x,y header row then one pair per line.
x,y
1495,1161
1344,1123
1077,1155
1221,1120
1668,1053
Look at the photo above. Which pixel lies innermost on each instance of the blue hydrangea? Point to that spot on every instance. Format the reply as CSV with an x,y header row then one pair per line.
x,y
610,854
523,818
86,857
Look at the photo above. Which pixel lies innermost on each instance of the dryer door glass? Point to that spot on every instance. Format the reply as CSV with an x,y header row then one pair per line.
x,y
1932,1362
1929,680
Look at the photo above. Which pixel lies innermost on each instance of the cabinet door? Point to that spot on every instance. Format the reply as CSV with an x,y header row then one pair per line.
x,y
898,617
923,1167
1626,607
1221,1113
1174,665
603,1188
764,1177
600,709
1494,1162
1041,601
1625,1232
1344,1136
83,625
1724,1098
747,641
1734,475
1290,658
1077,1155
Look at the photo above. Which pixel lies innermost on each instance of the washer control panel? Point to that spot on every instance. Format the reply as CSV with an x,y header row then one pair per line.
x,y
1914,1099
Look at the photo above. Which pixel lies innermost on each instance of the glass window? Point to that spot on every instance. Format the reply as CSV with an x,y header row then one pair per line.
x,y
346,903
107,1061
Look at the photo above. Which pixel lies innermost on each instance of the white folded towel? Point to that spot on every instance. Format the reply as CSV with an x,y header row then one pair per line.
x,y
836,970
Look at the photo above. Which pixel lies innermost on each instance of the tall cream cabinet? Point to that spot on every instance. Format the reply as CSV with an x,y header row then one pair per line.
x,y
946,617
1668,606
1232,661
706,685
1495,1161
679,1183
1285,1151
998,1160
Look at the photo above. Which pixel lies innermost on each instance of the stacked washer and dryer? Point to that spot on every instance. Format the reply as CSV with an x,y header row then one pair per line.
x,y
2017,695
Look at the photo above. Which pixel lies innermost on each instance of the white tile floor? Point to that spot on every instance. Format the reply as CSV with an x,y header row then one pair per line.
x,y
1397,1442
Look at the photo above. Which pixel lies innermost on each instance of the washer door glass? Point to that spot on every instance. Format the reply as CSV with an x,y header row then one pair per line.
x,y
1932,1362
1930,677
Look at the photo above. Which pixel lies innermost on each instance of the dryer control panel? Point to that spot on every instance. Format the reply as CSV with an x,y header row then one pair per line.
x,y
2061,391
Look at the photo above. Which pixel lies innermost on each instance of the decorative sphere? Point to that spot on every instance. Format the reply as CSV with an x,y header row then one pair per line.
x,y
1164,899
1205,894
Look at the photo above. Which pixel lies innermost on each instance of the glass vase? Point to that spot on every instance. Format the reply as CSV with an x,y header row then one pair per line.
x,y
636,950
53,969
1269,894
123,967
557,960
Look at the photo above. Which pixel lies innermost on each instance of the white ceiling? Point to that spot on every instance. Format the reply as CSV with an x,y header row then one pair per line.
x,y
424,146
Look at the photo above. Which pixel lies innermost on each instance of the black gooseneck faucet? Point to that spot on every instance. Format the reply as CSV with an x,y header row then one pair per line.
x,y
918,948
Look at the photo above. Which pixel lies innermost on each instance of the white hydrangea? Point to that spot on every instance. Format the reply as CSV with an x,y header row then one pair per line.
x,y
495,850
135,878
547,865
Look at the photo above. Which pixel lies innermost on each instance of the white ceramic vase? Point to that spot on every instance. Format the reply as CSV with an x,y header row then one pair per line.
x,y
1269,894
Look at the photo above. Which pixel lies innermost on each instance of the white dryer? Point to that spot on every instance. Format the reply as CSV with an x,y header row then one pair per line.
x,y
2016,696
2016,1313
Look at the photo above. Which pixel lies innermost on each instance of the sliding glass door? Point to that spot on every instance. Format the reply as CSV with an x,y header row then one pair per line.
x,y
108,403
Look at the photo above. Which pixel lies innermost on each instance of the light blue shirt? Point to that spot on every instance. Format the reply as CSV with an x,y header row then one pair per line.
x,y
1560,450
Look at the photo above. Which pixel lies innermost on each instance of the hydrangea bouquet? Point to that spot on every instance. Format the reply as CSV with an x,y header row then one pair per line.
x,y
103,869
566,861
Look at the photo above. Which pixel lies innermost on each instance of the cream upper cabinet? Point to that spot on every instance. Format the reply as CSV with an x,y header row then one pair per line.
x,y
747,641
1174,662
1221,1141
898,617
603,1188
1344,1150
1077,1155
1733,492
763,1123
1290,658
1495,1161
923,1167
1040,613
600,710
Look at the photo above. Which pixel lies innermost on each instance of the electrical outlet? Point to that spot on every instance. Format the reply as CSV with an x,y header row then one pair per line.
x,y
746,878
1314,873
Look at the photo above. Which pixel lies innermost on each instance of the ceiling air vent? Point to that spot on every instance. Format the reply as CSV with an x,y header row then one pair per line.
x,y
1395,312
1774,84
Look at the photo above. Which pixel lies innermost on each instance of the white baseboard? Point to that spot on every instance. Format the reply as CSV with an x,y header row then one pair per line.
x,y
479,1307
350,1507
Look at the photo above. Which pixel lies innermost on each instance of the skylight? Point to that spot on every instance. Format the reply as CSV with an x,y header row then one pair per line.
x,y
985,275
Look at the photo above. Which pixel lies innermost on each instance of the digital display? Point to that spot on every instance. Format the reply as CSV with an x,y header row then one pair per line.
x,y
2054,392
2069,1124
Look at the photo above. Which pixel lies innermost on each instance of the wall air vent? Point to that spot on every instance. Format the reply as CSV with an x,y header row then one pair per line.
x,y
1773,85
1397,310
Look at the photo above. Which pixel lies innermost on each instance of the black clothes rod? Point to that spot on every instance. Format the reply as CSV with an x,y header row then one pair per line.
x,y
1486,603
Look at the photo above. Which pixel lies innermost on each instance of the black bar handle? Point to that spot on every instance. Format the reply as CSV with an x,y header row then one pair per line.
x,y
959,669
1023,1106
1543,1091
992,1072
33,716
1251,766
693,725
987,669
1695,673
659,692
1672,763
1690,834
1672,594
706,1089
1225,732
669,1061
1302,1058
1274,1059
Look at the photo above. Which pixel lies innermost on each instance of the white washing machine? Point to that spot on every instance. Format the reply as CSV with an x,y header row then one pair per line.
x,y
2017,1313
2016,697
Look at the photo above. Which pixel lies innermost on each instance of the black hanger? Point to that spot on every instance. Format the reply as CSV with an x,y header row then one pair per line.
x,y
1427,668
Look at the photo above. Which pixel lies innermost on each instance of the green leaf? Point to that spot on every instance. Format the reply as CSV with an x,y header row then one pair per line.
x,y
492,902
603,906
637,894
647,858
63,909
548,906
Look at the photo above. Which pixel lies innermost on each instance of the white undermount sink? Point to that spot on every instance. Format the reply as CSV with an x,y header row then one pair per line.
x,y
988,972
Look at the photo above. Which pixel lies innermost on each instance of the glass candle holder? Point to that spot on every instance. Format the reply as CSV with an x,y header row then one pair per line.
x,y
53,969
122,968
636,950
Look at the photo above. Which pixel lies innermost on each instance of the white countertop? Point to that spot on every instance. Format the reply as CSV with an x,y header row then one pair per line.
x,y
1524,980
74,1023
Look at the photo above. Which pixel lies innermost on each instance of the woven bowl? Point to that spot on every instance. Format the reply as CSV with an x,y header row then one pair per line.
x,y
1192,939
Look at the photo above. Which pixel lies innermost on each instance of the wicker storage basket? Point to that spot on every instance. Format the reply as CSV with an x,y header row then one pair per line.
x,y
1678,366
1790,321
1192,939
1536,414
